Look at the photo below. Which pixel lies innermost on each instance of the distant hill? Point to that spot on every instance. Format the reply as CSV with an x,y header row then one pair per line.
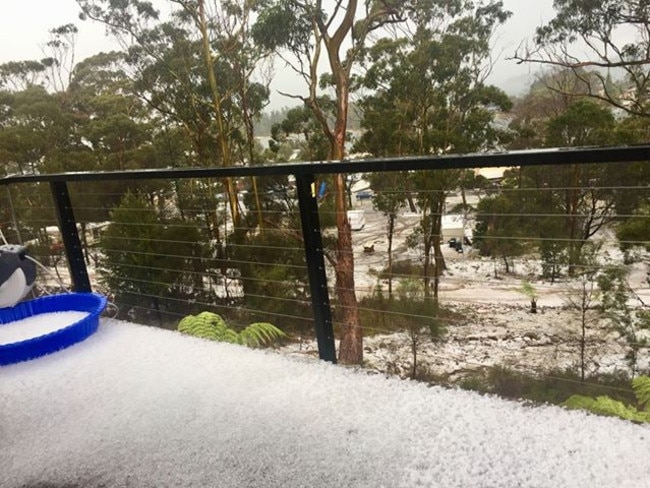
x,y
516,86
263,126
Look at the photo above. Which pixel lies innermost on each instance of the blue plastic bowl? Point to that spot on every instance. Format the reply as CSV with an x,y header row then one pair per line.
x,y
58,339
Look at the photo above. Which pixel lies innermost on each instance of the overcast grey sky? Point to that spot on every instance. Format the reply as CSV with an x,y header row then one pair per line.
x,y
24,26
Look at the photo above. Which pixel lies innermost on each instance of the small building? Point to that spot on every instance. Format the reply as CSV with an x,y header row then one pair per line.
x,y
492,174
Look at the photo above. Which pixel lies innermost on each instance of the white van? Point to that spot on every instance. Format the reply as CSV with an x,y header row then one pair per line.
x,y
357,219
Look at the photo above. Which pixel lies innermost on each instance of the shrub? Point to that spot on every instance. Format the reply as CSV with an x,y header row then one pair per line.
x,y
408,311
403,268
208,325
604,405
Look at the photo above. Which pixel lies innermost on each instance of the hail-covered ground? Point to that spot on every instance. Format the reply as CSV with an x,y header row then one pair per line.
x,y
135,406
490,322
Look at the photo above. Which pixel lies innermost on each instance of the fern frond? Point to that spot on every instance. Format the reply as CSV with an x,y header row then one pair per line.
x,y
206,325
260,333
213,319
579,402
604,405
641,387
229,336
608,406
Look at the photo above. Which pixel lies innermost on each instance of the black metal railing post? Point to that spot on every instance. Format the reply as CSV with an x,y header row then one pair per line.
x,y
70,235
316,266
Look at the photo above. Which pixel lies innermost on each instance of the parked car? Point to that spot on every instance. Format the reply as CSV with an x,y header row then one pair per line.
x,y
364,195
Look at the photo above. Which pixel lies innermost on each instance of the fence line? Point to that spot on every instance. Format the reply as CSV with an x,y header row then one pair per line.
x,y
272,270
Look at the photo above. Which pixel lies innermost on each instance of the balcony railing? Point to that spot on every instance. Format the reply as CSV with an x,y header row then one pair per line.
x,y
171,249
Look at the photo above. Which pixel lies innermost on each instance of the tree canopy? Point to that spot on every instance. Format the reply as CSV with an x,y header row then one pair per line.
x,y
604,39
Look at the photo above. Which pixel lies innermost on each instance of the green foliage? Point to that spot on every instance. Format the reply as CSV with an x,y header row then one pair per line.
x,y
208,325
584,123
35,130
426,97
628,321
20,75
555,386
389,202
407,311
635,230
570,203
573,202
529,290
283,25
148,256
604,405
499,223
560,43
404,268
273,275
216,116
641,386
554,258
259,334
300,123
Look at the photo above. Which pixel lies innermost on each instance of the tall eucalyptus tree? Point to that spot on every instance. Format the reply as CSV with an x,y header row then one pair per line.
x,y
429,96
308,36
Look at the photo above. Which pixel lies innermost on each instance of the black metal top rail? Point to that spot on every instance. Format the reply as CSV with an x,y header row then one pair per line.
x,y
537,157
